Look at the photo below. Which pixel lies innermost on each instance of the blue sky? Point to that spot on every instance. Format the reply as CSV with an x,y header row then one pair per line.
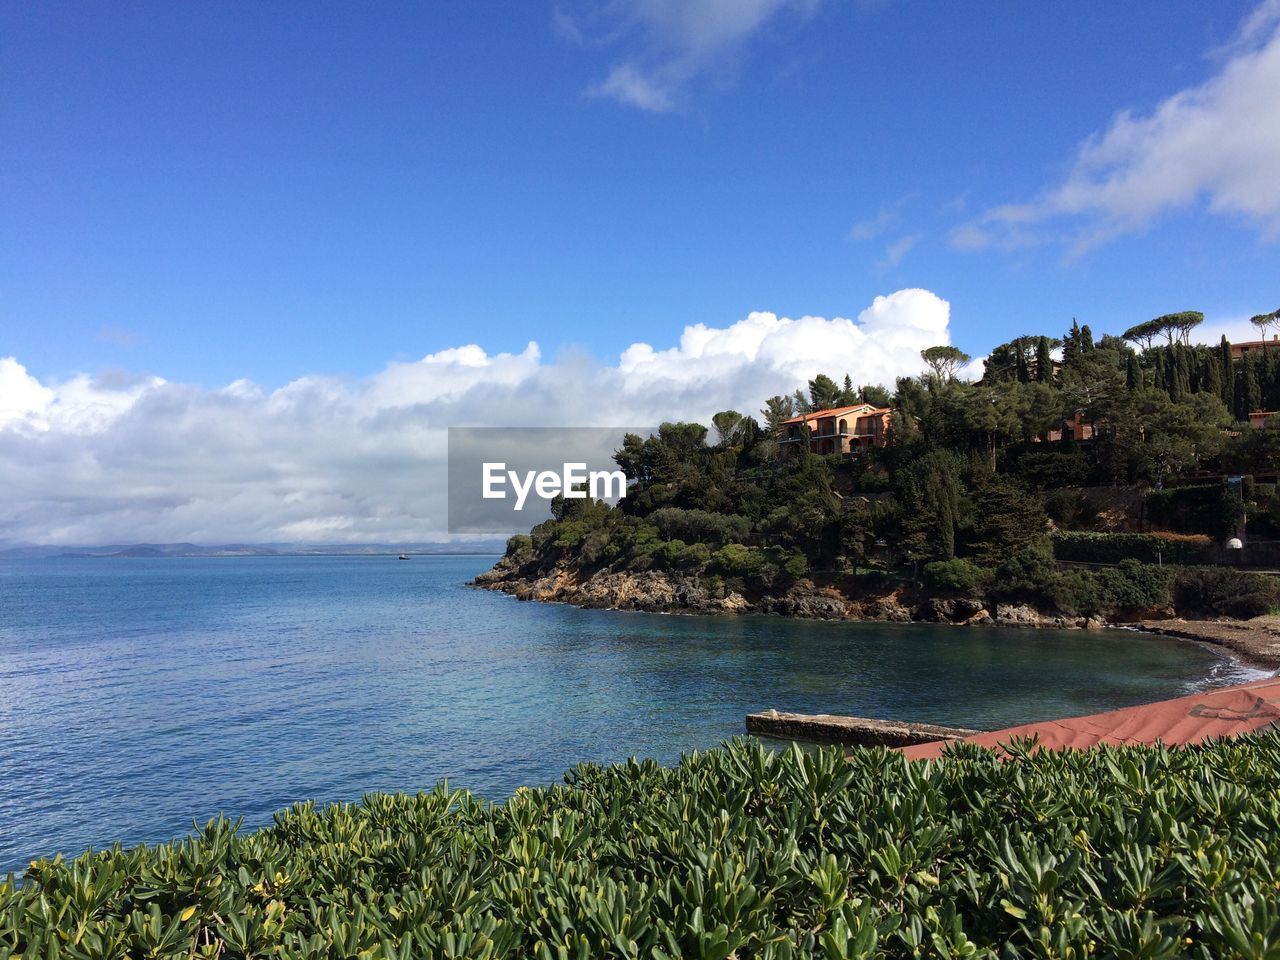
x,y
257,257
264,191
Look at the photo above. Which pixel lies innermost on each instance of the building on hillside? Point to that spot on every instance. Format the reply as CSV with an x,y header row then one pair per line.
x,y
1238,350
1075,428
844,430
1258,419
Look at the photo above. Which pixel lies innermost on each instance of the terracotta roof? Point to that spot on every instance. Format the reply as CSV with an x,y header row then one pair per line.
x,y
865,408
1225,712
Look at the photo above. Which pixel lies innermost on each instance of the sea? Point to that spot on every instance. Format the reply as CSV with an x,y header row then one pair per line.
x,y
140,696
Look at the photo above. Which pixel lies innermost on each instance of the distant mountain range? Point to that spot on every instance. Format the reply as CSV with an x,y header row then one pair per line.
x,y
37,551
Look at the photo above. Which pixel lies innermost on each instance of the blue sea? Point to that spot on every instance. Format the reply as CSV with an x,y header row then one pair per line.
x,y
138,695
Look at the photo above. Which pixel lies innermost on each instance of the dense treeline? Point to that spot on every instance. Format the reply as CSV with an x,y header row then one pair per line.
x,y
975,477
1144,852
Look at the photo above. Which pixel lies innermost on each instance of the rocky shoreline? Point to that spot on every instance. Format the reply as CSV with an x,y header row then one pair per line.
x,y
657,592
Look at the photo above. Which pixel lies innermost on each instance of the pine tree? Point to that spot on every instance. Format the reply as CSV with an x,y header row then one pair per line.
x,y
848,396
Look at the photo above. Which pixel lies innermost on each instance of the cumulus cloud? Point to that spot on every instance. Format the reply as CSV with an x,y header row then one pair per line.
x,y
674,40
1214,145
115,458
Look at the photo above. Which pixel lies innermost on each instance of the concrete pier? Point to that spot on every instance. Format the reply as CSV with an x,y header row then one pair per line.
x,y
849,731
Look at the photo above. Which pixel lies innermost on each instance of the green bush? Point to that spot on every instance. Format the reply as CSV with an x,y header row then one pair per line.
x,y
520,548
735,560
1143,547
1131,587
700,526
956,575
1226,592
678,555
741,852
1134,586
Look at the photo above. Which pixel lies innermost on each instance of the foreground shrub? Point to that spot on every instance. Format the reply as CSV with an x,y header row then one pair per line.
x,y
1226,592
1141,852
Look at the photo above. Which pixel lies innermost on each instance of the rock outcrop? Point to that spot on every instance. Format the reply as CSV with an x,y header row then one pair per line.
x,y
663,592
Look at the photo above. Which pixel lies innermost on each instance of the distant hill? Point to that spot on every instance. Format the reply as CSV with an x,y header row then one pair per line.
x,y
162,550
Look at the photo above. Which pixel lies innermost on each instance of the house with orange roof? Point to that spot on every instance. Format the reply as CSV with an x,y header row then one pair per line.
x,y
844,430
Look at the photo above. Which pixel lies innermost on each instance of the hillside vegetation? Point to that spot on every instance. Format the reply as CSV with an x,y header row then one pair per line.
x,y
969,497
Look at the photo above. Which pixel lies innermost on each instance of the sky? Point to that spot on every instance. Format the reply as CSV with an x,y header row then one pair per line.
x,y
255,257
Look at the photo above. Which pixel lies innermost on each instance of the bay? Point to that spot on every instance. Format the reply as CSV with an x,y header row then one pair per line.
x,y
138,695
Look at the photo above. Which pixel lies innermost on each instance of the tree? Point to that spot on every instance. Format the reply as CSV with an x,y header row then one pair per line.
x,y
930,499
1133,373
848,395
728,424
1008,523
823,392
777,411
1144,333
1264,322
1178,326
1044,361
875,395
944,360
1228,373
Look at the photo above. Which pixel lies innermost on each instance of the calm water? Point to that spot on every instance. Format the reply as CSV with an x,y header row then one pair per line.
x,y
136,695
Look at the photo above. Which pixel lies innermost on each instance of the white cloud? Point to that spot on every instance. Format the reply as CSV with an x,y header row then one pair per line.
x,y
124,459
677,41
872,227
1214,145
894,253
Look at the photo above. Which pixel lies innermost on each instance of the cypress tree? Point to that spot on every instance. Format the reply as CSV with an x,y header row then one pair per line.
x,y
1024,375
1228,374
1071,344
1133,373
1086,339
1251,394
1044,361
1157,369
1184,372
1171,372
1210,378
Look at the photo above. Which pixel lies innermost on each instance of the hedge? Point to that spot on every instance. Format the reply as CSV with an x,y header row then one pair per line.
x,y
1143,547
739,852
1211,509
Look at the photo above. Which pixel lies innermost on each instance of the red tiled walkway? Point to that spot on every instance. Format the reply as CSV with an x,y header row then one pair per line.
x,y
1224,712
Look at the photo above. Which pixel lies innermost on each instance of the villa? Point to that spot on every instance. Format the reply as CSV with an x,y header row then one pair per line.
x,y
843,430
1240,350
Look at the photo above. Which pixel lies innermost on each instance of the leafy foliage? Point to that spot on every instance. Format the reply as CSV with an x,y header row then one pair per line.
x,y
1145,547
738,852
